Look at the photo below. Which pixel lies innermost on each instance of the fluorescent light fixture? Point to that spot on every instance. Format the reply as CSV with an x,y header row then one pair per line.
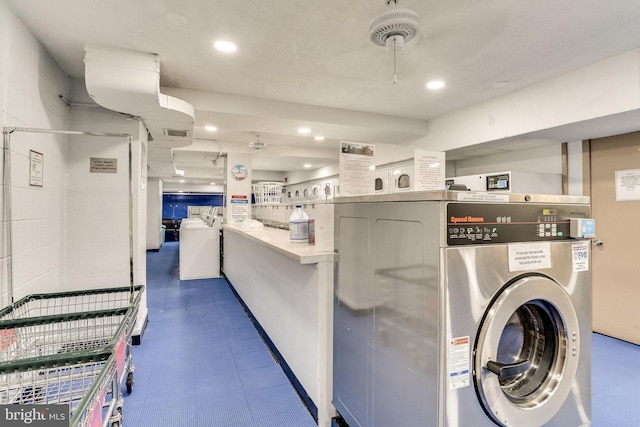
x,y
435,84
225,46
307,165
182,181
212,183
211,128
179,172
319,138
304,131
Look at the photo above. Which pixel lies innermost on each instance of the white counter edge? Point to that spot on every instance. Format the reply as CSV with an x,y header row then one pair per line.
x,y
278,240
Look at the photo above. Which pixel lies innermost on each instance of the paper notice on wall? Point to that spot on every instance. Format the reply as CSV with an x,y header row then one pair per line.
x,y
239,208
36,168
357,168
529,256
580,256
458,361
429,170
628,185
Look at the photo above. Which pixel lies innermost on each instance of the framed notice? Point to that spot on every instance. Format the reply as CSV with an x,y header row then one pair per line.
x,y
36,167
628,185
357,168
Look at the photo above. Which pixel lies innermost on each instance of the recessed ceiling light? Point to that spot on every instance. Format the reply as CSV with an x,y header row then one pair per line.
x,y
304,131
435,84
182,181
307,165
211,128
319,138
225,46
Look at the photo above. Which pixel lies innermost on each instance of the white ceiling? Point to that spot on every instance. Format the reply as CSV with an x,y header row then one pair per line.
x,y
312,63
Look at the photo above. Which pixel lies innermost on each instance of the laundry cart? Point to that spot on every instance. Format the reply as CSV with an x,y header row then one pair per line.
x,y
56,359
47,304
86,381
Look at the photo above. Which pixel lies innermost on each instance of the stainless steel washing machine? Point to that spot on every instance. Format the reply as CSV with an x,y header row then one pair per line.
x,y
461,309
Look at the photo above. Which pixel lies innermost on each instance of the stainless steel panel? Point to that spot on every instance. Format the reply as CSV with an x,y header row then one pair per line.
x,y
386,315
443,195
472,277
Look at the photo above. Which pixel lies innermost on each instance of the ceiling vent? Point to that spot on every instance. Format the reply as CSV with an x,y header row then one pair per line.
x,y
181,133
394,29
257,145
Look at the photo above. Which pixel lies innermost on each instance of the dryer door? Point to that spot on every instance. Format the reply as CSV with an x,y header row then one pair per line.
x,y
525,355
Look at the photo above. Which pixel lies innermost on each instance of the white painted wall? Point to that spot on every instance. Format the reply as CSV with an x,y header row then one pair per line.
x,y
154,213
98,253
30,82
546,160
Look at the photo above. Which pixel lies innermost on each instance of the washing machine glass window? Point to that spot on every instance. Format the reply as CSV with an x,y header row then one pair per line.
x,y
404,181
526,352
378,185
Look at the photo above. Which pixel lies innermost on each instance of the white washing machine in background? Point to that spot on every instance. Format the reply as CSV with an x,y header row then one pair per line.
x,y
305,191
381,185
453,313
402,178
327,189
316,193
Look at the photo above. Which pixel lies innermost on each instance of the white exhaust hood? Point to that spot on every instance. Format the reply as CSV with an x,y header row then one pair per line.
x,y
129,82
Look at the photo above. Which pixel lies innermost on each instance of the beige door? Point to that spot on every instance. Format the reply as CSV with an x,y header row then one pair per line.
x,y
616,262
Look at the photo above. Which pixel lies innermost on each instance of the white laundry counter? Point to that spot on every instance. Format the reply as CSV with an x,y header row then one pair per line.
x,y
288,287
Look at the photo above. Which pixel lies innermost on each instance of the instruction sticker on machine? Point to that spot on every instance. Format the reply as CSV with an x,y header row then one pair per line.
x,y
580,256
459,358
529,256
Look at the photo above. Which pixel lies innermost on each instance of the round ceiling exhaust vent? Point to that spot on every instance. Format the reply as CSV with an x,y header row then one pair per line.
x,y
257,145
394,28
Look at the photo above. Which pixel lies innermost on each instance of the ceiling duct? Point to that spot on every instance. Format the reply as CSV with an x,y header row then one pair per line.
x,y
129,82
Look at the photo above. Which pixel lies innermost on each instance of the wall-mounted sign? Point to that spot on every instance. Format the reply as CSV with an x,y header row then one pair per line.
x,y
36,168
239,208
429,170
239,172
103,165
628,185
357,168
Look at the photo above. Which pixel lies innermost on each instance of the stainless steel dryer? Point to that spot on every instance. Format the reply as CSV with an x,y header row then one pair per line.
x,y
455,312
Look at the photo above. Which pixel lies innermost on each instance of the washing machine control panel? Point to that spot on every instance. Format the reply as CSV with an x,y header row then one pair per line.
x,y
479,223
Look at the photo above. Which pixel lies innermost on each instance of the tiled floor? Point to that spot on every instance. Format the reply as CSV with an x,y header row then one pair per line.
x,y
201,363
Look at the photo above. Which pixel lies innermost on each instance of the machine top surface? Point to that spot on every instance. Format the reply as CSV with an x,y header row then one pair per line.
x,y
464,196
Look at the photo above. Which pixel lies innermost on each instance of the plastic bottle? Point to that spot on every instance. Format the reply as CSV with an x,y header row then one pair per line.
x,y
299,226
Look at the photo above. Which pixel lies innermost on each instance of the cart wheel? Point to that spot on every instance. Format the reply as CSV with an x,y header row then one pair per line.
x,y
116,424
130,382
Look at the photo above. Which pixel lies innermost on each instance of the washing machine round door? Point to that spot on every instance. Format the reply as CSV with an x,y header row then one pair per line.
x,y
526,352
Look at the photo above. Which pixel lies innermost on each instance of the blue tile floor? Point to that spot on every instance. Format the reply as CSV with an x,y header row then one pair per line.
x,y
202,363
